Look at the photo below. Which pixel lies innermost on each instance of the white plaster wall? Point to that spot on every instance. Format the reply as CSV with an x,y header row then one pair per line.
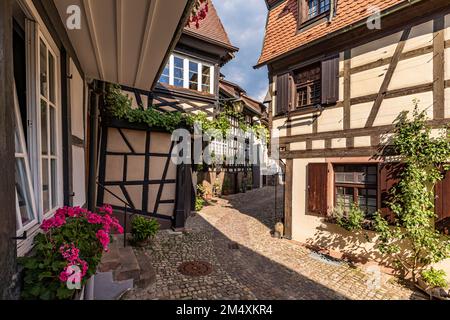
x,y
420,36
302,124
375,50
339,143
391,108
447,63
79,181
447,27
367,82
331,120
412,72
318,144
279,124
359,114
362,141
298,146
447,102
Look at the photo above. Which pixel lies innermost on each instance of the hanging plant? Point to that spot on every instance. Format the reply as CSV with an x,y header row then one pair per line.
x,y
199,12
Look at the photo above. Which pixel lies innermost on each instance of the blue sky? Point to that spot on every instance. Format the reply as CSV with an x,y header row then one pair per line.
x,y
244,21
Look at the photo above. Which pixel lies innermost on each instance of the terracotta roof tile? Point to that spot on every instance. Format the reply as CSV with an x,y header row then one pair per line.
x,y
281,31
211,27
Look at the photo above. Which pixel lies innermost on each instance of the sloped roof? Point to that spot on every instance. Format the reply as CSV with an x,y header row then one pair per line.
x,y
210,28
235,91
282,33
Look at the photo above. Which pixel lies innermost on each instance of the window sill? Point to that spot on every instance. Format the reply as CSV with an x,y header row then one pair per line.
x,y
313,21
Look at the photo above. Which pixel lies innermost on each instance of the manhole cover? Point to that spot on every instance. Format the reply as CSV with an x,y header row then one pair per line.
x,y
195,268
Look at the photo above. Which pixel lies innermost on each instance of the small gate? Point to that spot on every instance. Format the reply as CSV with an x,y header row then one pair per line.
x,y
136,166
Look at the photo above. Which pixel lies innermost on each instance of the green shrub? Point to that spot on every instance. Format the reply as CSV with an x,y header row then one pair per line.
x,y
143,229
435,278
351,220
201,190
199,203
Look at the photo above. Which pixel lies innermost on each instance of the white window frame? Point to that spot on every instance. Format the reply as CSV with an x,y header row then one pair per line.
x,y
200,64
23,154
36,30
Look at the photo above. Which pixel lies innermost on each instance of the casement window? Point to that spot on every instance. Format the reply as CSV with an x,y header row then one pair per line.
x,y
178,72
38,121
312,10
165,76
309,86
188,73
317,7
193,75
356,184
49,127
314,84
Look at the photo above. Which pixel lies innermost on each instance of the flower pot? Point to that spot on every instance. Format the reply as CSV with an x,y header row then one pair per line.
x,y
433,292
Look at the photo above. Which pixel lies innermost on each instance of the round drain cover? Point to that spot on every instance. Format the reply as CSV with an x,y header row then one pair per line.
x,y
195,268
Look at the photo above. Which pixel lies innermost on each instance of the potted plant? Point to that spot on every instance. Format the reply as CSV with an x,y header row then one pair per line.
x,y
433,282
143,230
67,253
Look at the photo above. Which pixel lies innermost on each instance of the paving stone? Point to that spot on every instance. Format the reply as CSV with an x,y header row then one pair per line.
x,y
261,267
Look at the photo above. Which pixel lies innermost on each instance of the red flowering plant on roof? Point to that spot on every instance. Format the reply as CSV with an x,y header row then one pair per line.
x,y
68,251
199,11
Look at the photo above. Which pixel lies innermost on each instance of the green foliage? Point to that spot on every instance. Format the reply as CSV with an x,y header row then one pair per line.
x,y
412,200
143,229
199,203
201,190
351,220
119,106
435,278
43,268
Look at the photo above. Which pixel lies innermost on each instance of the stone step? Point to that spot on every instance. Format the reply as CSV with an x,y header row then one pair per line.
x,y
105,288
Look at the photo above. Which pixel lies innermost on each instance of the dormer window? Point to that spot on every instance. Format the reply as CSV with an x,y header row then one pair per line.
x,y
188,73
313,10
317,7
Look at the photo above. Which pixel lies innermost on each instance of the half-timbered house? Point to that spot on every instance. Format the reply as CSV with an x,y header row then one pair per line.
x,y
54,55
340,73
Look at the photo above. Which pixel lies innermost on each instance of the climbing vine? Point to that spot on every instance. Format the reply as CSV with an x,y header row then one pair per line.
x,y
412,200
199,12
119,106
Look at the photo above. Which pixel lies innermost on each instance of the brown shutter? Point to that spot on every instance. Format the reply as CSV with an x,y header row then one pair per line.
x,y
285,93
318,188
442,199
330,80
388,178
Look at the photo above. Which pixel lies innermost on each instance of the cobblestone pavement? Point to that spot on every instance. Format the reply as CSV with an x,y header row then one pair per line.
x,y
233,236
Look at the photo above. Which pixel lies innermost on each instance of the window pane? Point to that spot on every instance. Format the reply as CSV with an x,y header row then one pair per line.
x,y
206,78
43,69
44,127
52,131
165,75
45,186
23,192
178,71
51,75
193,75
54,175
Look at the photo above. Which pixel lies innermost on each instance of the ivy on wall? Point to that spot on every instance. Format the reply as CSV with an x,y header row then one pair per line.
x,y
119,106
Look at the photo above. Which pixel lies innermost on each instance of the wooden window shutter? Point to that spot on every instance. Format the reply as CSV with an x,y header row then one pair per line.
x,y
388,178
442,198
285,93
330,80
318,188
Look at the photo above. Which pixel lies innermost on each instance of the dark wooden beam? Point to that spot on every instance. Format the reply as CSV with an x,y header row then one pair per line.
x,y
288,198
387,78
7,182
438,68
437,123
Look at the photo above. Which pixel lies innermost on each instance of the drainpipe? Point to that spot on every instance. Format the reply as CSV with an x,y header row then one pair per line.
x,y
332,10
